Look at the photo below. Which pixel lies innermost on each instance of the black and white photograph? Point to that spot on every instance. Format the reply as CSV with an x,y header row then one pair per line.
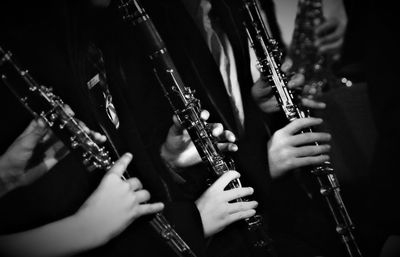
x,y
199,128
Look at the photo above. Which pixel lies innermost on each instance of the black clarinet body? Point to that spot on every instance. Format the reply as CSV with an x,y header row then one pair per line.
x,y
42,103
269,62
187,108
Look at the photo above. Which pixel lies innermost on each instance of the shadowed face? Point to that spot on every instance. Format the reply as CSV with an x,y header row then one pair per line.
x,y
200,10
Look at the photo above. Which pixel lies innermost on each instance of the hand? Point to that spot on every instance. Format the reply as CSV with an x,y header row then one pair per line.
x,y
264,96
288,150
13,163
330,36
179,150
115,204
307,93
216,207
96,136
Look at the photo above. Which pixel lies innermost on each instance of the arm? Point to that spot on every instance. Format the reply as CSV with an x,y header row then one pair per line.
x,y
92,224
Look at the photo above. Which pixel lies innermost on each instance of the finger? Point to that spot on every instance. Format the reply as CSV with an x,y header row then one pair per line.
x,y
33,125
299,124
326,26
237,193
204,115
227,147
311,160
264,93
68,110
331,48
135,184
83,126
121,165
312,150
54,154
149,208
240,216
308,137
312,104
261,91
175,120
32,134
229,136
270,105
328,32
33,174
224,180
176,128
296,81
329,39
311,91
241,206
261,83
141,196
217,129
49,137
287,64
96,136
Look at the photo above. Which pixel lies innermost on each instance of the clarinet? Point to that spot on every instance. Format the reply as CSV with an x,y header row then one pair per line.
x,y
42,103
268,56
316,67
187,108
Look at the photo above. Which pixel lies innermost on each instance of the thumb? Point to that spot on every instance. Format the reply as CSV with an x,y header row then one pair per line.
x,y
176,127
287,64
121,165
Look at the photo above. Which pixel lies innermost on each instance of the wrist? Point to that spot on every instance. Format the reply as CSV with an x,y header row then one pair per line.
x,y
171,167
199,207
90,232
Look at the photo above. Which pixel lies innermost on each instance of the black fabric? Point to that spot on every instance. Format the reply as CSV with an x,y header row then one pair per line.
x,y
55,61
197,67
199,71
382,80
